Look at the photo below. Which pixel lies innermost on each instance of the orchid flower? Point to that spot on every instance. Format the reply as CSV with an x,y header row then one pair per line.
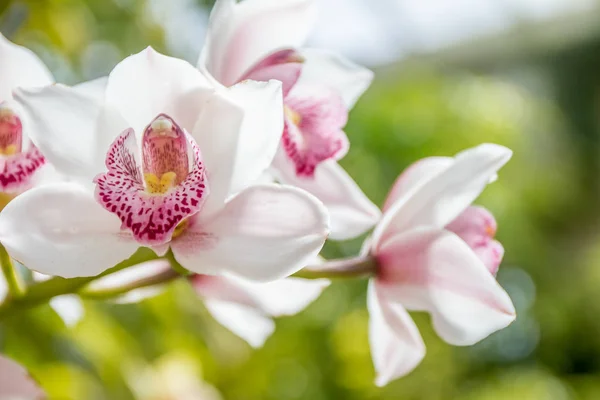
x,y
15,382
248,308
22,165
158,156
435,253
261,40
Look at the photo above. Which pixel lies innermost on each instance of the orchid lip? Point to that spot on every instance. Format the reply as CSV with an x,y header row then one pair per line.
x,y
153,201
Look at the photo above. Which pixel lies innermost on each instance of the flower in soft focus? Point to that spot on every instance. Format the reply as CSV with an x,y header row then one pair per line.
x,y
435,253
159,157
172,377
22,165
15,382
261,40
247,308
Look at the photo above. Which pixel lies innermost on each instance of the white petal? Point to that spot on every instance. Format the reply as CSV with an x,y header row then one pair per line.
x,y
20,67
60,229
95,88
434,270
75,142
15,382
396,345
241,34
350,210
278,298
324,68
441,199
148,83
261,129
265,233
246,322
69,308
416,175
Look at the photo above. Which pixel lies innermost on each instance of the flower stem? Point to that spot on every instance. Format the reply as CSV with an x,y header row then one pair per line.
x,y
16,287
160,278
352,267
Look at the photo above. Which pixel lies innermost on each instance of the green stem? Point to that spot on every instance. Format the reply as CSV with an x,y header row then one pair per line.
x,y
16,287
160,278
42,292
352,267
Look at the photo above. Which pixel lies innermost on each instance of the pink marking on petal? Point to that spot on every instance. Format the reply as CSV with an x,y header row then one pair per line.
x,y
164,149
152,218
17,170
313,129
11,132
283,65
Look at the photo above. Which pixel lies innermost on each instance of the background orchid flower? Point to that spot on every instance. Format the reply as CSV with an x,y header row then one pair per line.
x,y
247,308
424,266
160,158
22,165
261,40
15,382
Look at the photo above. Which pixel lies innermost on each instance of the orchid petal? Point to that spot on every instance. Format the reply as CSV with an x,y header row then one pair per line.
x,y
414,176
396,345
241,34
69,308
246,322
148,83
74,142
351,212
442,198
95,88
59,229
20,67
434,270
15,382
239,131
323,68
264,233
278,298
283,65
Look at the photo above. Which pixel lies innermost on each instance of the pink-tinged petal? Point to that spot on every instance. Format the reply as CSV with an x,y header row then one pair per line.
x,y
491,255
476,226
434,270
396,345
15,382
351,212
283,65
75,143
17,173
442,198
238,131
246,322
69,308
59,229
414,176
162,84
20,67
151,217
323,68
313,128
241,34
96,88
266,232
130,275
278,298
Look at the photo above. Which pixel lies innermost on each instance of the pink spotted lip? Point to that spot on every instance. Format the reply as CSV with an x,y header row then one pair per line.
x,y
313,129
17,167
153,200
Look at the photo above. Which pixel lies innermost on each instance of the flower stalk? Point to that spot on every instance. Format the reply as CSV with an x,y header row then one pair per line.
x,y
16,287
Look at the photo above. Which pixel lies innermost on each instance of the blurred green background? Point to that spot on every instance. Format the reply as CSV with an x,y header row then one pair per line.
x,y
517,89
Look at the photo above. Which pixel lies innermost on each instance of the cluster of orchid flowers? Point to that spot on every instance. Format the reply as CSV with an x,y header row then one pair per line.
x,y
226,174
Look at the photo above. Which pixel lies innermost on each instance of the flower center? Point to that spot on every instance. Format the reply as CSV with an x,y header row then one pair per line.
x,y
165,159
293,116
10,132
